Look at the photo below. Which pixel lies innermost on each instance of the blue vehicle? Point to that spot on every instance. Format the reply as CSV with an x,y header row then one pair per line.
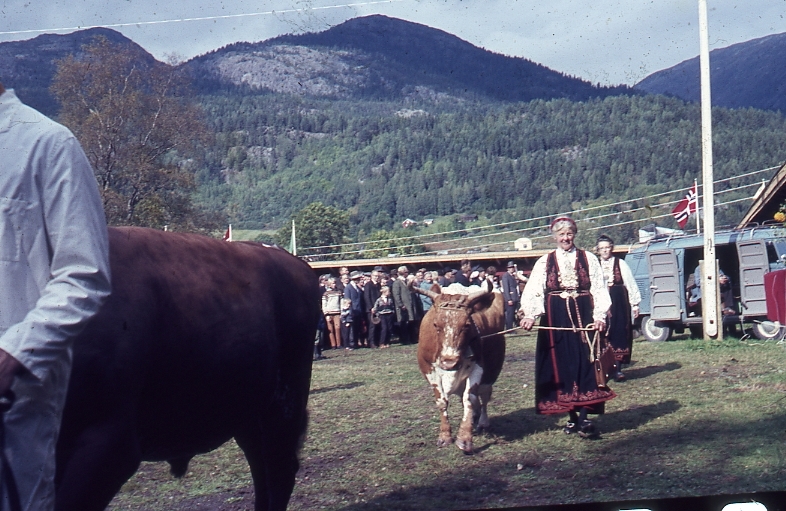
x,y
664,266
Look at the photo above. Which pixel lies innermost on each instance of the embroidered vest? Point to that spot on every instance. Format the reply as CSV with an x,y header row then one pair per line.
x,y
582,272
617,279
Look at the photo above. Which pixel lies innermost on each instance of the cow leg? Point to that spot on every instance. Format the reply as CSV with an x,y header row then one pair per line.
x,y
93,467
445,435
272,457
484,395
464,437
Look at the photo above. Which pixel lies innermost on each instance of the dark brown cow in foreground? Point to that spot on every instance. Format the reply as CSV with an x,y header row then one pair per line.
x,y
200,341
456,356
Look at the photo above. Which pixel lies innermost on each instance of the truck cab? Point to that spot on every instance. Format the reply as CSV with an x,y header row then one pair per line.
x,y
664,267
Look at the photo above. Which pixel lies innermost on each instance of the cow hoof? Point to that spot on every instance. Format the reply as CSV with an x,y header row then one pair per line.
x,y
443,442
466,447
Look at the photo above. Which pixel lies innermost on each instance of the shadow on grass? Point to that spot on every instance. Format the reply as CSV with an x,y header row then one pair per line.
x,y
637,373
345,386
716,469
636,416
521,423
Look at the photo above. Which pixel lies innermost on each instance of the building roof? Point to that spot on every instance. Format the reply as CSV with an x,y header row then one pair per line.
x,y
768,201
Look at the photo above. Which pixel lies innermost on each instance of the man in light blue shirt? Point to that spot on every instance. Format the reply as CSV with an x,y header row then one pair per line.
x,y
54,270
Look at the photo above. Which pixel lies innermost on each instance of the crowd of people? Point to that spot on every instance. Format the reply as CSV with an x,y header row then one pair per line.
x,y
582,303
367,309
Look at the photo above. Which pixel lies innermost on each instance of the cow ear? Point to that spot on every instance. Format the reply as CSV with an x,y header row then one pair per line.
x,y
483,302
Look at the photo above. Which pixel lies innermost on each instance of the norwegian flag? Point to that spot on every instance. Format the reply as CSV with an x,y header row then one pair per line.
x,y
228,234
686,207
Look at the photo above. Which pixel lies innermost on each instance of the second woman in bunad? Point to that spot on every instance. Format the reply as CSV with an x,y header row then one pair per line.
x,y
625,299
566,291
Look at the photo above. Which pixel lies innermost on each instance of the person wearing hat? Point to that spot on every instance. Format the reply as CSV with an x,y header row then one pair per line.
x,y
406,311
566,291
355,295
370,296
477,276
511,293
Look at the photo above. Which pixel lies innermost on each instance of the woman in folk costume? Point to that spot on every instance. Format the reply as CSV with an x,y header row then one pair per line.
x,y
566,290
625,299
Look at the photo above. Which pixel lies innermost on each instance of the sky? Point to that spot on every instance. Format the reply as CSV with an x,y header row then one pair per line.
x,y
609,42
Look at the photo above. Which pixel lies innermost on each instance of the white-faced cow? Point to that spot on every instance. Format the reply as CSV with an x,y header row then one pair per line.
x,y
200,341
458,354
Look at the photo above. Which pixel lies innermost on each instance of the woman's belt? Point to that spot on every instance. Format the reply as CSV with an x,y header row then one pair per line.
x,y
569,293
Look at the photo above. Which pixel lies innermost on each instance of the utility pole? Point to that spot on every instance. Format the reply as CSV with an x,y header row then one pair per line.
x,y
710,288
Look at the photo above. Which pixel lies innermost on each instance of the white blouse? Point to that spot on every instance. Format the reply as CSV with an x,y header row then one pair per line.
x,y
634,295
534,295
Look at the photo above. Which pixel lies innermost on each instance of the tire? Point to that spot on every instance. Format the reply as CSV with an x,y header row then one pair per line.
x,y
768,330
655,331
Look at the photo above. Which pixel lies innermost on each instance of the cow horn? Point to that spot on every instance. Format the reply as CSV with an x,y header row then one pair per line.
x,y
485,288
428,292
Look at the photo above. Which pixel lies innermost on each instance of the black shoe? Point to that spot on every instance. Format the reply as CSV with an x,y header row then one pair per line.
x,y
620,376
570,427
587,429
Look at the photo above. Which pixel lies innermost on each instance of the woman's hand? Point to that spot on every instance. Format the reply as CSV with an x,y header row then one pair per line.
x,y
527,323
599,325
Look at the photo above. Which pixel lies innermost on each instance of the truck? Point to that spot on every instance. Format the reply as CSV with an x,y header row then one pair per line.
x,y
662,267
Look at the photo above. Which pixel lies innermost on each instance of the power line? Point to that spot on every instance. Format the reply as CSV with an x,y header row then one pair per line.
x,y
201,18
546,236
362,244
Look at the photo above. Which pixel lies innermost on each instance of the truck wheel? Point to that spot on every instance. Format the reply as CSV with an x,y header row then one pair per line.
x,y
767,330
655,331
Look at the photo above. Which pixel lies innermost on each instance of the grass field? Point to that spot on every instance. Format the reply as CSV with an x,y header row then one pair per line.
x,y
693,418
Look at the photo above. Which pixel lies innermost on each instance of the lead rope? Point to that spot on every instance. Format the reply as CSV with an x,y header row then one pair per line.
x,y
581,329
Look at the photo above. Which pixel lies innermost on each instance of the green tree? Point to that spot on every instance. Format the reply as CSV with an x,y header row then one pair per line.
x,y
317,227
129,113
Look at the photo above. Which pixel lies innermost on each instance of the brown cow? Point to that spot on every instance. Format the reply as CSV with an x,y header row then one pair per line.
x,y
200,341
458,354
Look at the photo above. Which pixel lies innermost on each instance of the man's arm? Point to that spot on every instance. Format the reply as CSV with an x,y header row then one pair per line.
x,y
75,232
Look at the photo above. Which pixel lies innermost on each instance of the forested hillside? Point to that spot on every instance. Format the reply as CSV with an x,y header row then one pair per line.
x,y
387,161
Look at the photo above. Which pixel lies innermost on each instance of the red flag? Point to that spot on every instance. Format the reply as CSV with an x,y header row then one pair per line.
x,y
228,234
686,207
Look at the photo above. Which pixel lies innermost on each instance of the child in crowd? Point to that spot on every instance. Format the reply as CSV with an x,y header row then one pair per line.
x,y
384,309
347,335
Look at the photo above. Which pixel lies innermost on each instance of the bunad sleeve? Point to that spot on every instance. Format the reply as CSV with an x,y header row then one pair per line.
x,y
600,292
533,297
634,295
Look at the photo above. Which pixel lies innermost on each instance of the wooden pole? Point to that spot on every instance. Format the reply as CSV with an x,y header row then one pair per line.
x,y
710,289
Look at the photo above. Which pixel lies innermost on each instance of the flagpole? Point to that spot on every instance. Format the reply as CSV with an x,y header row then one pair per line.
x,y
698,207
709,286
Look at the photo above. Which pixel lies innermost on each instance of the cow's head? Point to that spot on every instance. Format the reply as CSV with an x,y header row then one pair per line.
x,y
449,323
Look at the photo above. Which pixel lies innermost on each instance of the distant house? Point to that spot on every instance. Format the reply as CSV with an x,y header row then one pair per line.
x,y
408,223
467,218
428,221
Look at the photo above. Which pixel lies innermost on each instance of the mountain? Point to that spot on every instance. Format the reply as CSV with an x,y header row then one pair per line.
x,y
745,75
29,66
385,58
